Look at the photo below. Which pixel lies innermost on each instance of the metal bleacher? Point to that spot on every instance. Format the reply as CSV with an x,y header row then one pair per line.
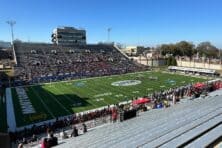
x,y
185,124
206,139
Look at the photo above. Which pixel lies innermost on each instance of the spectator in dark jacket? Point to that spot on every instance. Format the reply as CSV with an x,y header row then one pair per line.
x,y
84,128
74,132
52,141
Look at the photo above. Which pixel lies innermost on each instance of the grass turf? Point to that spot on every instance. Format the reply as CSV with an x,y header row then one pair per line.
x,y
65,98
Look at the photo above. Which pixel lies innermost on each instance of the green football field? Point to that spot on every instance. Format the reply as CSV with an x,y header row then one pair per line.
x,y
64,98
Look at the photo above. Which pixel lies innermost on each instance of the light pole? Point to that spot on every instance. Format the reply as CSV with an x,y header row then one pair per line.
x,y
12,23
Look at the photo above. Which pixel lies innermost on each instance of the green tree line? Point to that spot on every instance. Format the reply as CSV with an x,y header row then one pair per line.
x,y
184,48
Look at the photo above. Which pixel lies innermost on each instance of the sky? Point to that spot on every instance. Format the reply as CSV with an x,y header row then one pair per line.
x,y
133,22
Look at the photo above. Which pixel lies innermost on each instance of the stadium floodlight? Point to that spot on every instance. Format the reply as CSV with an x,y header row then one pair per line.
x,y
108,34
12,23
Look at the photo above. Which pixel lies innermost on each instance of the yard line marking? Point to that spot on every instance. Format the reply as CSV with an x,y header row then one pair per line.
x,y
105,88
45,106
93,90
59,103
67,97
71,91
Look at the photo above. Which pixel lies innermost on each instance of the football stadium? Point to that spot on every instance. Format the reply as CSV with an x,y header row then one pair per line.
x,y
69,88
80,95
80,90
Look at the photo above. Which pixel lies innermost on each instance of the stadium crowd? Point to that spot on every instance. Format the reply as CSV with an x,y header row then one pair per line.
x,y
162,98
45,63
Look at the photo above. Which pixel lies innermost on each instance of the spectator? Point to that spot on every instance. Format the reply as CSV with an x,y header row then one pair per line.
x,y
34,138
52,141
114,115
74,132
20,145
84,128
24,141
44,143
63,134
49,132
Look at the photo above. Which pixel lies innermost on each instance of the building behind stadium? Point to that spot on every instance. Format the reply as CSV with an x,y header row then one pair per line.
x,y
67,36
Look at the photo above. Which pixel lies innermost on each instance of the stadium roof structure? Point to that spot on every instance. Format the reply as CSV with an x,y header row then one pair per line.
x,y
190,123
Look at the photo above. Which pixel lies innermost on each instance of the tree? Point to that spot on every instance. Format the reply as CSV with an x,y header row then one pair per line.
x,y
171,61
141,50
182,48
175,51
186,48
174,61
207,49
165,49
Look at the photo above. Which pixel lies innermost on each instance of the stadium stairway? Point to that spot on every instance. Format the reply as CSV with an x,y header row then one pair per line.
x,y
121,51
160,127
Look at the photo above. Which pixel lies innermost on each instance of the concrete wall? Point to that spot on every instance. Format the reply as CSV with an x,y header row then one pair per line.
x,y
150,62
199,65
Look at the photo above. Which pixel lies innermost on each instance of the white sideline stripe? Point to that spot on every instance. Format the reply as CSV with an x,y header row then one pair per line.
x,y
10,110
